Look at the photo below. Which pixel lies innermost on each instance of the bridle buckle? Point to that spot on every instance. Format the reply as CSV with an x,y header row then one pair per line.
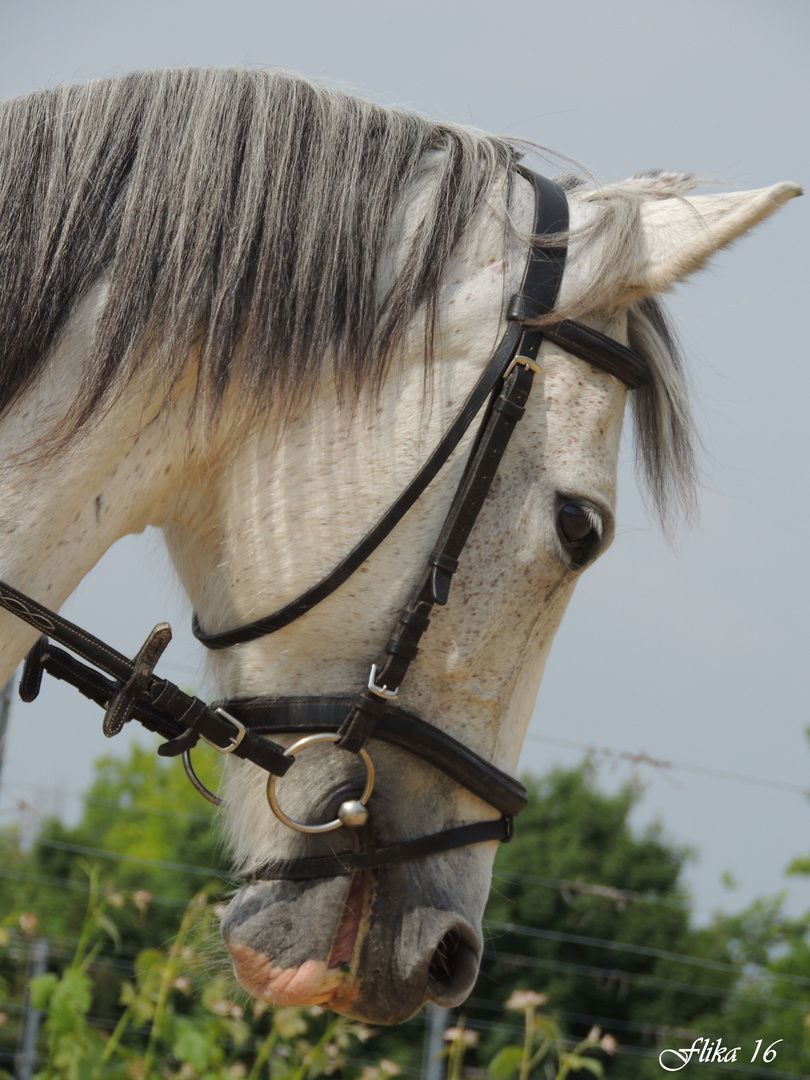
x,y
523,361
380,691
235,740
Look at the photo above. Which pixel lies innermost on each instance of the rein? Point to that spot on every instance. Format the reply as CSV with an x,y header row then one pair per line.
x,y
241,726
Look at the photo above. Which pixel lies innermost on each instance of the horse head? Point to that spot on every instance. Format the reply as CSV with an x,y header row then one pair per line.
x,y
256,345
290,500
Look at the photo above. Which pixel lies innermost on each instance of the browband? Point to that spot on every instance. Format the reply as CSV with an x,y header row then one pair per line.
x,y
599,350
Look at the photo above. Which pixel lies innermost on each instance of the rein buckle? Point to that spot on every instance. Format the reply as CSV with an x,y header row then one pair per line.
x,y
235,740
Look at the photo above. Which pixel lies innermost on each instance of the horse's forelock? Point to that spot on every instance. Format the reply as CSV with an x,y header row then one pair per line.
x,y
245,215
226,208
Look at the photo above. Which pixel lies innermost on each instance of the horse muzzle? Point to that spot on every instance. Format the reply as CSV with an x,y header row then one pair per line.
x,y
376,946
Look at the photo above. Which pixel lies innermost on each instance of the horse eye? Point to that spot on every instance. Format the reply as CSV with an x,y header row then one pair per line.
x,y
575,524
577,531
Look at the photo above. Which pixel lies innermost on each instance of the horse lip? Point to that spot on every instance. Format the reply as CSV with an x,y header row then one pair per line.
x,y
353,922
308,984
331,982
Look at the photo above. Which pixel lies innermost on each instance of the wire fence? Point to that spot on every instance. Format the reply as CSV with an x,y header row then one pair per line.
x,y
612,975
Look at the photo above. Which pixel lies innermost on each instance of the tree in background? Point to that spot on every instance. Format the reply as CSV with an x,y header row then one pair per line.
x,y
163,849
770,1001
584,911
595,916
143,811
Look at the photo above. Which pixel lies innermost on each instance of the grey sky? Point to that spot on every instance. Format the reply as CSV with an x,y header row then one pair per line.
x,y
698,654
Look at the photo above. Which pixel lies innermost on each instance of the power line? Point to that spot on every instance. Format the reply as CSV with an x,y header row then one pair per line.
x,y
643,758
67,946
135,860
106,960
175,815
607,1023
630,756
606,892
618,976
512,928
603,891
519,959
627,947
81,886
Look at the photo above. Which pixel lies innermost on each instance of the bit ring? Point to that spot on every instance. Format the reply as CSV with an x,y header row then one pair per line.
x,y
291,751
196,782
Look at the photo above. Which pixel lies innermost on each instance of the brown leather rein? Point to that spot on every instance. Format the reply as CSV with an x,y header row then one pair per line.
x,y
241,726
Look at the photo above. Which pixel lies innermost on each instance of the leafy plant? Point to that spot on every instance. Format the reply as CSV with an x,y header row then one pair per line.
x,y
177,1022
543,1042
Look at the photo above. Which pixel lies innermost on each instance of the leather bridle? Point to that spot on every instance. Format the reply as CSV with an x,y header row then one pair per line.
x,y
240,726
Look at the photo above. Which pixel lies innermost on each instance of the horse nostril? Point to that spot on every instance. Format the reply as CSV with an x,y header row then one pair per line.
x,y
439,969
452,969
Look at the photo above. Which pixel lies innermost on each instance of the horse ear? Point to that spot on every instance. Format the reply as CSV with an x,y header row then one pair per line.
x,y
680,234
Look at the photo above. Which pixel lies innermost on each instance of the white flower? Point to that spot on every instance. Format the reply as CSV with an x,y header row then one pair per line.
x,y
526,999
29,922
609,1044
142,898
457,1034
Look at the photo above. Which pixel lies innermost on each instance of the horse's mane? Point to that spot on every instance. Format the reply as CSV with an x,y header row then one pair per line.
x,y
245,216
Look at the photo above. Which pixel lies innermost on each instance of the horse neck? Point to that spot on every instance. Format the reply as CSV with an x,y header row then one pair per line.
x,y
62,510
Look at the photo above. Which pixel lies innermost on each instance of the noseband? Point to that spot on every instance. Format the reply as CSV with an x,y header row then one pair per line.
x,y
240,726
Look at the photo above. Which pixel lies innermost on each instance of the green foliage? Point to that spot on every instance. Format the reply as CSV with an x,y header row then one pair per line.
x,y
143,810
606,886
544,1043
613,943
544,1051
176,1020
74,1047
583,909
771,999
